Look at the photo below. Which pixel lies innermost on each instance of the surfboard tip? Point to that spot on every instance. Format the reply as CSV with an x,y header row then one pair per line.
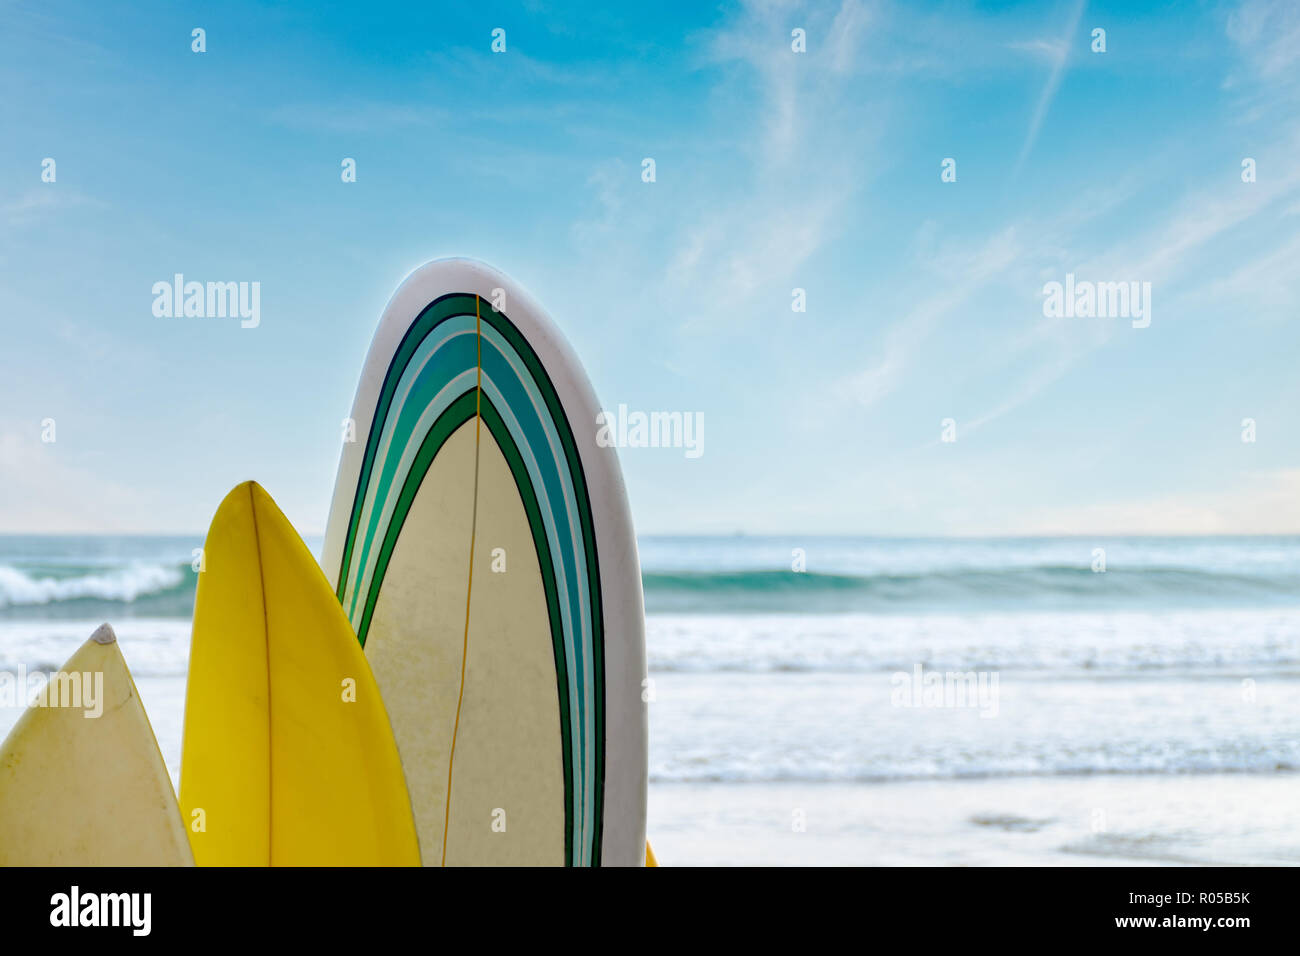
x,y
104,635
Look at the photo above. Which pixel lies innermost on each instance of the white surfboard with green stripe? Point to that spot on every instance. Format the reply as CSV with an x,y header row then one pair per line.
x,y
481,544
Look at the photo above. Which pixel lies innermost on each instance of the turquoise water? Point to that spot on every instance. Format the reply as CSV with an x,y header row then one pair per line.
x,y
78,576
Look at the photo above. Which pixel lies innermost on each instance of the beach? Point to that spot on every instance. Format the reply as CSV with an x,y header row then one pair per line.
x,y
898,702
1153,820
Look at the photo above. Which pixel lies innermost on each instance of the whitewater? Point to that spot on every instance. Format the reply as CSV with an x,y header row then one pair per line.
x,y
1159,697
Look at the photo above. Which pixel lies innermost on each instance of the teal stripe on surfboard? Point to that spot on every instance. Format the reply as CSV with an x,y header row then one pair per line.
x,y
527,420
507,383
450,307
518,369
435,377
456,414
497,429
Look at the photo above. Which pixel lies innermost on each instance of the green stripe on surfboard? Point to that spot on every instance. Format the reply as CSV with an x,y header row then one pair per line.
x,y
500,322
435,313
501,435
458,413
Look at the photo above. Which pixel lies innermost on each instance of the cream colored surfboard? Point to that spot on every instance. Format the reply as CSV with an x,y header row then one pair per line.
x,y
82,782
481,545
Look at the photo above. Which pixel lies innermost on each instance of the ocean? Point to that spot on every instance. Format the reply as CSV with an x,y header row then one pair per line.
x,y
894,701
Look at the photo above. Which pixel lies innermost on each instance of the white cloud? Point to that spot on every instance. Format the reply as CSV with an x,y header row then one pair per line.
x,y
1051,51
1262,503
1059,58
972,270
46,492
352,116
42,202
785,203
1165,253
1268,31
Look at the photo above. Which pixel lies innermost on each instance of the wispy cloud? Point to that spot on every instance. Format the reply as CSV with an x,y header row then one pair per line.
x,y
906,337
47,492
1059,56
786,203
1265,502
1165,254
1268,33
1269,284
353,116
1053,51
41,202
1166,251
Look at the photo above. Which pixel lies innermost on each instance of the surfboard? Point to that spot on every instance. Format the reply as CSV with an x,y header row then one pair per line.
x,y
287,757
82,782
480,543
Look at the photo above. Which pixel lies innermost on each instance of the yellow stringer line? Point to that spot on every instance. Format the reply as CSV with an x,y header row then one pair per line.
x,y
473,530
266,639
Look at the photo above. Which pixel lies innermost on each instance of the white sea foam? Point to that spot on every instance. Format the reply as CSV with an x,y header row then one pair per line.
x,y
152,647
1082,643
127,583
826,727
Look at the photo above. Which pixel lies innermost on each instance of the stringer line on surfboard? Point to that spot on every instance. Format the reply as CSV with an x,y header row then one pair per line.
x,y
266,629
469,587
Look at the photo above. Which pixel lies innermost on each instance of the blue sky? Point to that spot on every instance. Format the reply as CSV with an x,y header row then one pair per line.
x,y
775,170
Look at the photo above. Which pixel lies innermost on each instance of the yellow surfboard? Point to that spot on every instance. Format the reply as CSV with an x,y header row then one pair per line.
x,y
288,756
82,782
